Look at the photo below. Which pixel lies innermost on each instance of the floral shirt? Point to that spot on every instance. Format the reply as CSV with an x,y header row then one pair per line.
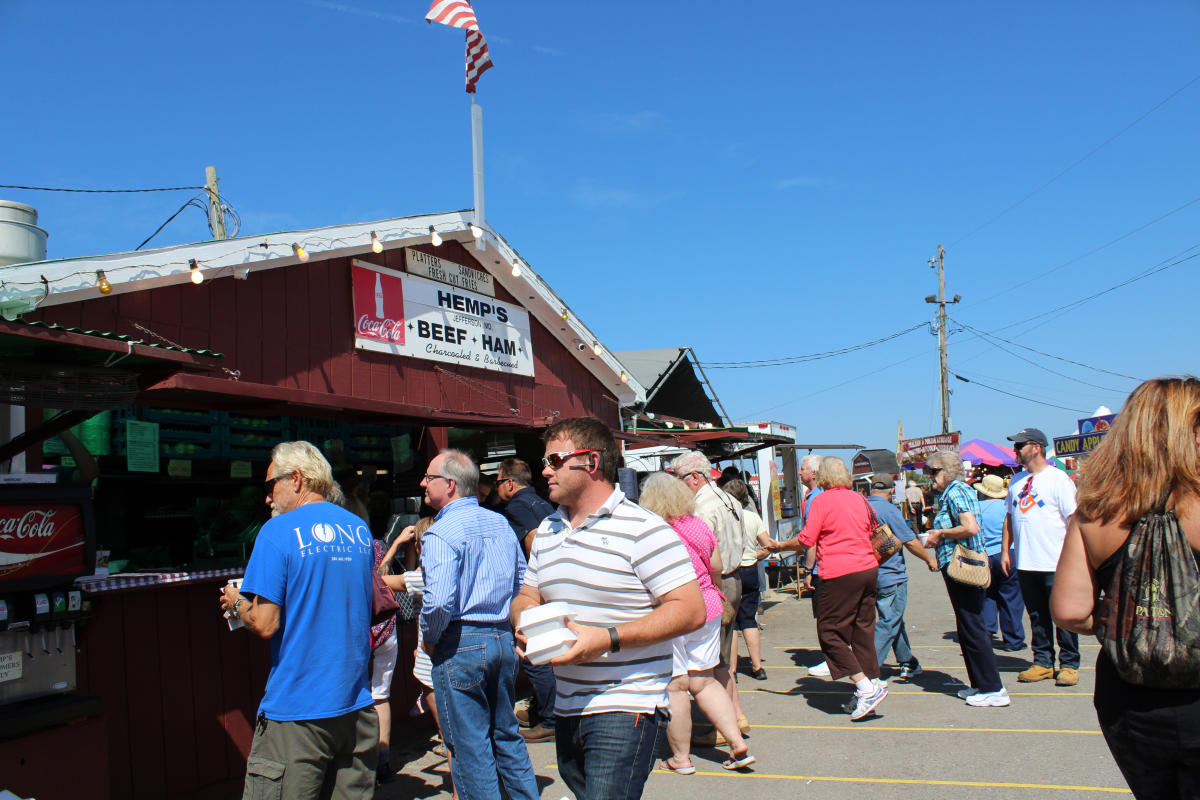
x,y
956,499
383,631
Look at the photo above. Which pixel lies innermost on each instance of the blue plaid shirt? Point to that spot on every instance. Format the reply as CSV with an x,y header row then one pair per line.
x,y
956,499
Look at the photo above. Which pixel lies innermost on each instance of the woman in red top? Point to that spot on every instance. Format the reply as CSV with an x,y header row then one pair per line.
x,y
839,526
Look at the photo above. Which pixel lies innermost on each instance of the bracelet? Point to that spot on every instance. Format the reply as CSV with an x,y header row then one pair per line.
x,y
614,641
233,611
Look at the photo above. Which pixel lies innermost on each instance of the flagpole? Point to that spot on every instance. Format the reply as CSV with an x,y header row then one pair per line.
x,y
477,164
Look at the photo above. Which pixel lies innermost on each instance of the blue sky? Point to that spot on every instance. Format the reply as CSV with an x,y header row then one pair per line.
x,y
756,184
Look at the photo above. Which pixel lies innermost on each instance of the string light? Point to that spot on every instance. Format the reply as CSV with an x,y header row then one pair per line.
x,y
102,282
476,231
596,348
670,424
300,252
516,270
624,377
197,275
434,237
376,245
564,315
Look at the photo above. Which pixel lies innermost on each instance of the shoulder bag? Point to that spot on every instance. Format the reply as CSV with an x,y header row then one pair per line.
x,y
383,601
1148,618
883,540
970,567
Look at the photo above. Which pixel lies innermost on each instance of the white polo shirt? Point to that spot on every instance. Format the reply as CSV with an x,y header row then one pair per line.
x,y
611,570
1038,515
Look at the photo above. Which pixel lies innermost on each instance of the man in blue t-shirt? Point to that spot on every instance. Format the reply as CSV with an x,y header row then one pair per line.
x,y
892,584
307,589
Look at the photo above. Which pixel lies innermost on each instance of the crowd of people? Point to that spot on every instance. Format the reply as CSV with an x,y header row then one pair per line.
x,y
659,589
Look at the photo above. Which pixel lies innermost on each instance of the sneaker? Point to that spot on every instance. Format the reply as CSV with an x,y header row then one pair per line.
x,y
1066,677
867,702
819,670
759,674
963,694
1035,673
908,671
989,699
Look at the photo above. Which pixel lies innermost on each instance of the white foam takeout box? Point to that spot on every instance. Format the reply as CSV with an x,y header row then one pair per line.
x,y
545,618
545,646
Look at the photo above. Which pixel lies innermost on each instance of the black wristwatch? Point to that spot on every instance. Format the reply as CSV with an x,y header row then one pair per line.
x,y
614,640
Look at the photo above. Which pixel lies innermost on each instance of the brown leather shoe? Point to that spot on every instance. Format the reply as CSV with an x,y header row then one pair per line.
x,y
522,715
1067,677
538,734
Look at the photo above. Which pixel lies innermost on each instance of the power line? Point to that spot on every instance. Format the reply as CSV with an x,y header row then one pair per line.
x,y
1091,252
100,191
191,202
779,362
985,335
1020,397
1079,161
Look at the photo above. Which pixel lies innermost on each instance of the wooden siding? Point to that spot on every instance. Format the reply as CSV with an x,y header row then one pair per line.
x,y
293,327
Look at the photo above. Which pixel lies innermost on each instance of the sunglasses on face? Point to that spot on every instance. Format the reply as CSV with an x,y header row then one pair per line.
x,y
555,461
933,471
270,482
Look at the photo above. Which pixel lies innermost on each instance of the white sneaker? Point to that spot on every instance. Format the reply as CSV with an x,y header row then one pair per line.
x,y
970,691
867,702
819,670
989,699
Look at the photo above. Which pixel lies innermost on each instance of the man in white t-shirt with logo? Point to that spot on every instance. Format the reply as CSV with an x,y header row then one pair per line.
x,y
628,577
1040,500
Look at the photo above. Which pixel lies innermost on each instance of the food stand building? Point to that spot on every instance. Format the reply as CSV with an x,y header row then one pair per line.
x,y
384,341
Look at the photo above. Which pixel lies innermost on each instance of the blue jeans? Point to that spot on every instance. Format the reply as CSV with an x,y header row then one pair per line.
x,y
1035,588
541,678
890,602
1003,602
474,672
608,756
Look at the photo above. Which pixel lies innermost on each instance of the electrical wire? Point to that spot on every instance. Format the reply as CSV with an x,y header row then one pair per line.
x,y
101,191
1079,161
986,335
191,201
1019,396
787,360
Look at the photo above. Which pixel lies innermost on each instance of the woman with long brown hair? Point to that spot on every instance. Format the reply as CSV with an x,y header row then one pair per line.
x,y
1148,464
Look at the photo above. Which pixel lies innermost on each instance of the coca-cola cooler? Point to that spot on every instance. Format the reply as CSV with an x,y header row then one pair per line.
x,y
47,539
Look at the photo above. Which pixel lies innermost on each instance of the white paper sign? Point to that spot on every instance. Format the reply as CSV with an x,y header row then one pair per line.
x,y
410,316
11,666
439,269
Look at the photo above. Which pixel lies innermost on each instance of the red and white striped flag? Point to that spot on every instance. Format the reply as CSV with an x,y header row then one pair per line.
x,y
459,14
455,13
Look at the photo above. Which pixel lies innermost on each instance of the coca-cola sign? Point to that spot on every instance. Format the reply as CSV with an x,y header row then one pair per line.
x,y
41,539
378,305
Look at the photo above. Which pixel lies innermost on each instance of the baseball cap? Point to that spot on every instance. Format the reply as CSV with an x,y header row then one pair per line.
x,y
1029,435
882,481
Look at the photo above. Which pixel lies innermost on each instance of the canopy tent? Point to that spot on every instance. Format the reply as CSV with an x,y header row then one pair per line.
x,y
977,451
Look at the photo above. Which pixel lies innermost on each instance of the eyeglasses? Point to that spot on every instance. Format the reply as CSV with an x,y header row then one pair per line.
x,y
1018,445
933,471
269,484
555,461
432,478
687,475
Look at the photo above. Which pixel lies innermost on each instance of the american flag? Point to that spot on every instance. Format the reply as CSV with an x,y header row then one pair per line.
x,y
459,14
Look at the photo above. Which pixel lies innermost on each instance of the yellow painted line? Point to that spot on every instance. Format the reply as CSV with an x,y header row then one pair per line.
x,y
814,647
919,730
898,781
923,666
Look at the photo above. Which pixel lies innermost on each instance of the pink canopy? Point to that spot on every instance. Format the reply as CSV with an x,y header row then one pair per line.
x,y
977,451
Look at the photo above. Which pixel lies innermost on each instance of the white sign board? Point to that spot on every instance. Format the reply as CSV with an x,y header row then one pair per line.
x,y
410,316
439,269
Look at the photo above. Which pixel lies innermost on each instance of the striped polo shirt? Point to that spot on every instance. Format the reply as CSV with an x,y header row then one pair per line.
x,y
611,570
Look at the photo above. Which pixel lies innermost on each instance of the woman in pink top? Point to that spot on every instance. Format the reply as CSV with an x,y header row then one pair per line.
x,y
697,653
839,526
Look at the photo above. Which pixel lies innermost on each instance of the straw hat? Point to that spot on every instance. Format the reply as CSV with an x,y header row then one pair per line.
x,y
992,486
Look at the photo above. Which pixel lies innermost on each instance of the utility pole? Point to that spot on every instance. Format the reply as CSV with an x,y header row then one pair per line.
x,y
940,299
214,203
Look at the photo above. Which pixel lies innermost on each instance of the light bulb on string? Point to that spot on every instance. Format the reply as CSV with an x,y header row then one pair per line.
x,y
624,377
476,231
197,275
516,270
434,237
300,252
102,283
564,315
376,245
596,348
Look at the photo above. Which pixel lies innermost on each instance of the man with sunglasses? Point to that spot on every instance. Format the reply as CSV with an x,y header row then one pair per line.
x,y
629,580
1037,507
307,589
473,567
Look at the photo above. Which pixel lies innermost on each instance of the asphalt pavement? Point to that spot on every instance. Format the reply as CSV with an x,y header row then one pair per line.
x,y
923,742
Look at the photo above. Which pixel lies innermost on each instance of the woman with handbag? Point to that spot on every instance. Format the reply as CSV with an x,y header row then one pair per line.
x,y
961,556
839,526
1135,535
696,654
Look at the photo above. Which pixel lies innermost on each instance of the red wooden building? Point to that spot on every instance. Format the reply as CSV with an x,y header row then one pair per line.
x,y
356,325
